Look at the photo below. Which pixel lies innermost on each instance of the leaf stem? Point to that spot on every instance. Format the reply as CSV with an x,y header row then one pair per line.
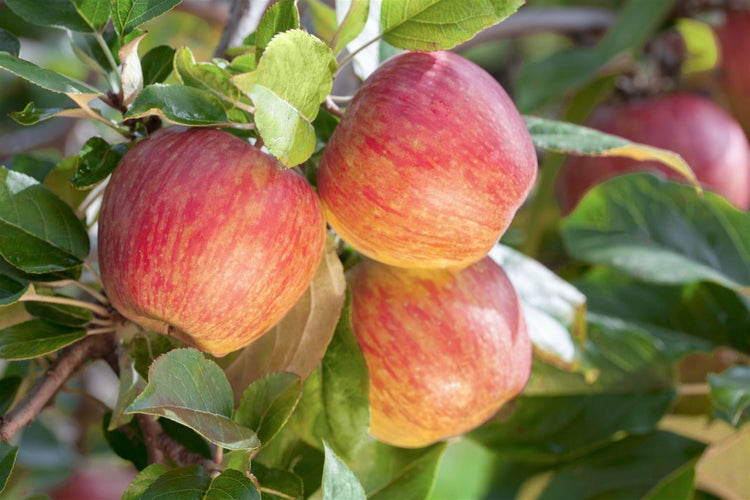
x,y
114,80
95,308
101,331
351,56
63,283
332,107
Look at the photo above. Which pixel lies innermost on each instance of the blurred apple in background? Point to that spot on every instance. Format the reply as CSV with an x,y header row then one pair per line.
x,y
708,138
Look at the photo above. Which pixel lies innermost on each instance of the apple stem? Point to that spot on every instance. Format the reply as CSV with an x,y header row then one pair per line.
x,y
96,309
351,56
333,108
98,296
259,142
67,363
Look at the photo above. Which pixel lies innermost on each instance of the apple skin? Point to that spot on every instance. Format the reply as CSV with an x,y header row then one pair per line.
x,y
708,138
204,237
734,78
428,165
445,348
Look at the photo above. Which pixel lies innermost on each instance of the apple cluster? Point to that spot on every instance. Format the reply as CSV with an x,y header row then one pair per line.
x,y
422,176
203,237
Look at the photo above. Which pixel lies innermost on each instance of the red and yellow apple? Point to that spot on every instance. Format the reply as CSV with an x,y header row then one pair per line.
x,y
204,237
445,348
734,72
708,138
428,165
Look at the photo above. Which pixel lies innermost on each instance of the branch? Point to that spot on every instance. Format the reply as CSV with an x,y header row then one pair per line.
x,y
243,20
69,361
530,21
162,448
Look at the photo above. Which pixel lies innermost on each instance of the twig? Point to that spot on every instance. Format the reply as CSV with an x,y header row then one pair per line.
x,y
67,363
161,448
243,20
530,21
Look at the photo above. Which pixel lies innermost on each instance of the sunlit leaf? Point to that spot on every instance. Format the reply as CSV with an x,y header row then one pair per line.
x,y
279,17
129,14
569,138
186,387
352,17
440,24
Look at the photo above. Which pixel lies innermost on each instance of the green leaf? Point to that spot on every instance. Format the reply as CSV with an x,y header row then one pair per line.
x,y
687,318
562,137
126,441
545,80
232,485
730,393
42,77
353,17
550,428
335,404
338,480
129,14
323,20
555,310
157,64
286,484
267,404
281,16
186,387
36,337
440,24
11,290
33,165
623,223
400,473
39,233
31,115
59,314
8,389
9,43
143,480
630,468
77,15
186,483
98,159
7,461
179,104
293,78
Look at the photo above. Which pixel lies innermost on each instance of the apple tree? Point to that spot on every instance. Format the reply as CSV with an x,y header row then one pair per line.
x,y
374,248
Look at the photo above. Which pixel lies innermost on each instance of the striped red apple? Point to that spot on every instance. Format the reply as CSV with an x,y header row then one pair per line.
x,y
445,348
429,164
204,237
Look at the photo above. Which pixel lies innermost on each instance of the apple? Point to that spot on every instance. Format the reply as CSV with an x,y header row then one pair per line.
x,y
204,237
445,348
429,164
95,481
708,138
734,43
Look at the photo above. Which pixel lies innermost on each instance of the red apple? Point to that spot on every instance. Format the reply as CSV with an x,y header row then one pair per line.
x,y
204,237
445,348
734,43
95,481
710,140
428,165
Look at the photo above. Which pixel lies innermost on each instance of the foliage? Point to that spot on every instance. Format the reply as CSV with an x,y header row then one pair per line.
x,y
643,276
